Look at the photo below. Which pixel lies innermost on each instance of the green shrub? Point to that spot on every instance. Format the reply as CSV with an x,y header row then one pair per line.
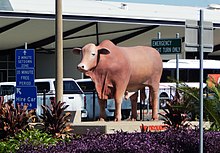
x,y
176,113
212,104
33,136
55,120
211,100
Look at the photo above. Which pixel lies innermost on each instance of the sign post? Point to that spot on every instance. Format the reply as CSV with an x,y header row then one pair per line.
x,y
201,48
167,46
26,92
25,77
177,65
26,95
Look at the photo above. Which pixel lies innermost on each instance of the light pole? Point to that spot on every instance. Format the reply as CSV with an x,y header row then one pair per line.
x,y
59,51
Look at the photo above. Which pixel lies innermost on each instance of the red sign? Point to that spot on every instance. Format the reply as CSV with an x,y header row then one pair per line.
x,y
214,78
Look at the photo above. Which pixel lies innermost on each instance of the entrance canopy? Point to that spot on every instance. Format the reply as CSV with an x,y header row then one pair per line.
x,y
86,21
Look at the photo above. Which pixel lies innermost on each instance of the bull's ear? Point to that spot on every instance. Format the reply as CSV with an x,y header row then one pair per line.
x,y
77,50
104,51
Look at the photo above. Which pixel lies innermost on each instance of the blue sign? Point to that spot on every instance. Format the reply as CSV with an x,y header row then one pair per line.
x,y
24,77
26,95
25,58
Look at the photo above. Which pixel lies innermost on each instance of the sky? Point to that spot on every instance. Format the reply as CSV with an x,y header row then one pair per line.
x,y
198,3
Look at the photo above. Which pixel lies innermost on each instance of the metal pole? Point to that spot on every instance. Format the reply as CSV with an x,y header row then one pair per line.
x,y
93,99
158,108
44,97
97,33
82,75
201,81
59,51
25,45
141,106
177,65
158,35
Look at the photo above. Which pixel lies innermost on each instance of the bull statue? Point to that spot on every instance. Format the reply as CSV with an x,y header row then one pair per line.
x,y
120,72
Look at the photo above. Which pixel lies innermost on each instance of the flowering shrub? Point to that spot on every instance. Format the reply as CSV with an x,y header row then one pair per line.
x,y
172,140
14,119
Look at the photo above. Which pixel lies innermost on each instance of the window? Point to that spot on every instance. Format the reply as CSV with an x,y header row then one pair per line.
x,y
3,65
7,68
7,90
70,87
87,86
41,86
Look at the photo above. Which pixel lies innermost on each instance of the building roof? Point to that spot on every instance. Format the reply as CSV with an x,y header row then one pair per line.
x,y
115,9
93,21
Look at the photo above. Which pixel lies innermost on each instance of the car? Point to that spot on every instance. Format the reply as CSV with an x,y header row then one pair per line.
x,y
72,95
7,91
92,105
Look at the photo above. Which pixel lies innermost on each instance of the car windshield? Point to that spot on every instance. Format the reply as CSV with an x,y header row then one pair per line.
x,y
70,87
7,90
87,86
42,87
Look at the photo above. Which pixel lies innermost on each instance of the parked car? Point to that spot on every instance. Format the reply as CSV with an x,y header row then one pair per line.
x,y
92,105
7,91
72,95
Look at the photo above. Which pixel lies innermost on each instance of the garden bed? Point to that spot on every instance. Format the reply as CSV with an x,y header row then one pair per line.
x,y
179,141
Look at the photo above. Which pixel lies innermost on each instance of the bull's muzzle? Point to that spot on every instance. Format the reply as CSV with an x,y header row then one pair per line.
x,y
81,67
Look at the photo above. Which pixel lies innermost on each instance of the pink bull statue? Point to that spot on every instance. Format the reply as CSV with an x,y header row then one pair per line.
x,y
120,72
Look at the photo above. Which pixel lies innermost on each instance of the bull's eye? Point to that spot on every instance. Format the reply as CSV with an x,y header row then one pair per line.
x,y
93,54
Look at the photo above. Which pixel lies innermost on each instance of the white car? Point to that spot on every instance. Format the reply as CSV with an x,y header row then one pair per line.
x,y
92,105
72,94
7,91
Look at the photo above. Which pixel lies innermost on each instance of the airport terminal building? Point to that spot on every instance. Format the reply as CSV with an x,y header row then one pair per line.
x,y
86,21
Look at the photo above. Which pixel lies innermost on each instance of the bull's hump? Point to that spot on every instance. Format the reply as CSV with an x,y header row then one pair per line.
x,y
106,43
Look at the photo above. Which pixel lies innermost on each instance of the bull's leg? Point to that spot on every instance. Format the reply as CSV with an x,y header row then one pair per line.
x,y
102,104
143,94
120,89
150,96
133,99
154,97
118,102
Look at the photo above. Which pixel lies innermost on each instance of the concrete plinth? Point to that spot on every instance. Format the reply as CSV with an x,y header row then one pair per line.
x,y
126,126
111,126
75,116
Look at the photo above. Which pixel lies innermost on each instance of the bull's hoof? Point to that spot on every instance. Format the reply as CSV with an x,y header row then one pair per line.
x,y
117,120
101,119
131,119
